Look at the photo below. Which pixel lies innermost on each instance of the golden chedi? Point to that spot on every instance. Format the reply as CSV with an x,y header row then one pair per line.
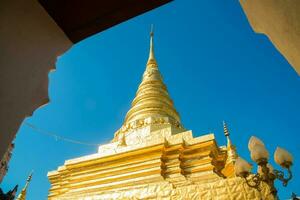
x,y
152,156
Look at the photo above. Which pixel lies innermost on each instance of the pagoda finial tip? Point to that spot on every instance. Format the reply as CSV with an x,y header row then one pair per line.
x,y
22,195
151,59
226,132
152,30
30,176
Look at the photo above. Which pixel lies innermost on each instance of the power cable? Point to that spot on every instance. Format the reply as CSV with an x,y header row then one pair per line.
x,y
56,136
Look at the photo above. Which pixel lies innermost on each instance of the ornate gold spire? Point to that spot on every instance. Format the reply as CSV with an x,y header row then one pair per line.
x,y
226,133
151,59
152,103
229,170
231,150
22,195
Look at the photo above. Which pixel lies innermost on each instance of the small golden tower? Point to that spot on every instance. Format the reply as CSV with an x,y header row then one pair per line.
x,y
22,195
228,170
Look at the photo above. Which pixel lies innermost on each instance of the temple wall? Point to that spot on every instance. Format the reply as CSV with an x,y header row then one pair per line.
x,y
30,42
279,20
223,189
157,166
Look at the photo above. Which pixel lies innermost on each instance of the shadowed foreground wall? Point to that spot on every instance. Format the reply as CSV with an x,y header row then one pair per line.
x,y
30,42
280,21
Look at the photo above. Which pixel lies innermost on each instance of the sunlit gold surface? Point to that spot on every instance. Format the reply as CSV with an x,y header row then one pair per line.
x,y
153,157
152,103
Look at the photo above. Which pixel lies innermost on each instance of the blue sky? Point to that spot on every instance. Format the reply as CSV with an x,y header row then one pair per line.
x,y
215,67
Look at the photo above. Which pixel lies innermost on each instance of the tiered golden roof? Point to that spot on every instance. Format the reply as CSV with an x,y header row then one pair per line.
x,y
153,157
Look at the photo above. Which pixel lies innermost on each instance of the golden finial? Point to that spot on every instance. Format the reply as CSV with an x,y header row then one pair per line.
x,y
231,151
226,132
151,59
152,32
22,195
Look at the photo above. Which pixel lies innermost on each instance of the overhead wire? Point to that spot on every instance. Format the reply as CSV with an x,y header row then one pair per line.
x,y
58,137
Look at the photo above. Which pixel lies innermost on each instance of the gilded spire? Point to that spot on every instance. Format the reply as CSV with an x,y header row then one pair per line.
x,y
22,195
231,150
152,103
151,59
226,133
